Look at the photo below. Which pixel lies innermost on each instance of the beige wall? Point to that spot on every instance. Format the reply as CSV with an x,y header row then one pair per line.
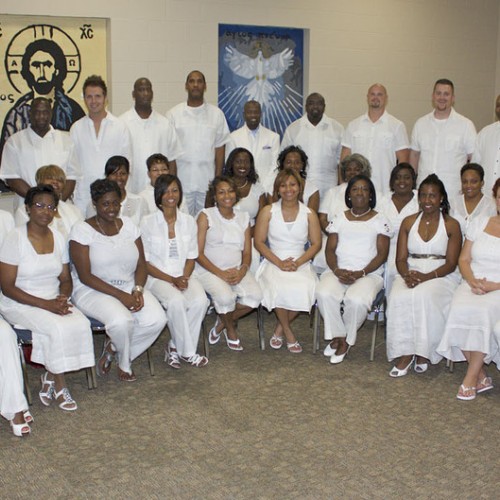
x,y
405,44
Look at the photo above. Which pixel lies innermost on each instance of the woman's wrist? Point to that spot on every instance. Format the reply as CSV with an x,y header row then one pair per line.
x,y
138,289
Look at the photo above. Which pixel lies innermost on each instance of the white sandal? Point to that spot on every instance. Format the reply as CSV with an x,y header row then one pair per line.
x,y
69,404
196,360
47,396
20,430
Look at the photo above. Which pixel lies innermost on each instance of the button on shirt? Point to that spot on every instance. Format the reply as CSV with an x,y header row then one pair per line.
x,y
487,154
443,146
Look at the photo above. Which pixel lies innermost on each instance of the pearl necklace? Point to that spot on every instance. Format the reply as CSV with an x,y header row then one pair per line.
x,y
102,230
357,216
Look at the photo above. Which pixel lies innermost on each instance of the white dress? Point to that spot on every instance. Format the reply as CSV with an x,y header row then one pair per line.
x,y
113,259
472,317
417,316
293,291
395,218
485,208
357,246
60,343
224,244
185,309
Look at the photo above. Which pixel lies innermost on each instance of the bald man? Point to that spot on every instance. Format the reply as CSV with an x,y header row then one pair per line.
x,y
378,136
150,133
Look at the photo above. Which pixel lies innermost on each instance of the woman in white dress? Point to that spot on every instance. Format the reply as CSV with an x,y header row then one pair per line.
x,y
469,334
286,276
225,249
36,285
67,213
110,274
13,404
356,250
429,243
132,205
295,158
472,202
171,247
400,204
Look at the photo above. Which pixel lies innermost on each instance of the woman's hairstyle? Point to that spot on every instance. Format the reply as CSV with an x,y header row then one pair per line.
x,y
496,187
293,149
156,158
373,195
282,177
114,163
39,190
473,166
218,180
252,175
397,169
434,180
161,186
100,187
360,160
50,172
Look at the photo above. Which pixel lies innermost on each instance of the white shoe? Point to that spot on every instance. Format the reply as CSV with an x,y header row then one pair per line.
x,y
329,351
396,372
338,358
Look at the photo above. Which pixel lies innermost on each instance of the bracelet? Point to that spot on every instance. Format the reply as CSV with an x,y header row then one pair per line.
x,y
138,288
436,274
364,273
335,270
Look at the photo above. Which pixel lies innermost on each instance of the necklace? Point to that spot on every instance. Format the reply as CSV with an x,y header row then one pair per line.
x,y
243,185
102,230
357,216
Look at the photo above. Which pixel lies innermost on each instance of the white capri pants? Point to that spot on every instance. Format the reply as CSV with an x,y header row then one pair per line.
x,y
225,296
131,332
357,299
184,310
12,398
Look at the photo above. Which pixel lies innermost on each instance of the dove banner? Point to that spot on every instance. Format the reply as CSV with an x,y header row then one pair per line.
x,y
265,64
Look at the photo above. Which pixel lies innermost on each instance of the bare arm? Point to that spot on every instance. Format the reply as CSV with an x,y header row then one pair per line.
x,y
314,236
313,202
172,167
19,186
219,159
414,159
69,187
403,155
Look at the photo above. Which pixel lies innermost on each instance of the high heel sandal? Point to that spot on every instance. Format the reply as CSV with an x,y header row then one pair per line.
x,y
69,404
213,335
172,357
401,372
234,345
103,365
20,430
47,396
28,417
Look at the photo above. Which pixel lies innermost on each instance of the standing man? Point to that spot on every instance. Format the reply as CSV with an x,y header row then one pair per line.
x,y
150,133
442,142
487,152
38,145
203,133
264,144
96,137
320,137
379,137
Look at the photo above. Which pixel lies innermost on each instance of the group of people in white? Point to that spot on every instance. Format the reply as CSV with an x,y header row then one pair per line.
x,y
315,220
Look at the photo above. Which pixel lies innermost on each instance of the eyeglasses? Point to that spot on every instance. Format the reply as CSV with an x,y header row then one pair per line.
x,y
43,206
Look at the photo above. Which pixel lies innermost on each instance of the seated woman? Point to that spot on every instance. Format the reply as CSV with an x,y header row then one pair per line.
x,y
295,158
286,276
117,169
109,274
36,286
469,334
357,247
402,202
429,243
67,213
223,263
472,202
171,247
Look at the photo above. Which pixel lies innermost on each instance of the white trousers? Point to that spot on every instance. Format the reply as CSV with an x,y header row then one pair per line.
x,y
225,296
356,299
12,398
195,201
185,311
131,332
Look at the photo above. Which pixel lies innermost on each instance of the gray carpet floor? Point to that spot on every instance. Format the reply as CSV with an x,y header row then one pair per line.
x,y
261,425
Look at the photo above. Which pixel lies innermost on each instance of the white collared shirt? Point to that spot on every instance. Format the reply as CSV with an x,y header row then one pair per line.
x,y
487,154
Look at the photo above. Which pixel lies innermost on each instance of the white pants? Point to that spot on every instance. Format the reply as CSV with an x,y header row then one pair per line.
x,y
356,298
12,398
225,296
195,202
185,312
131,332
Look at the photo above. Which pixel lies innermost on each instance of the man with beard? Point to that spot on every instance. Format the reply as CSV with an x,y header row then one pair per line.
x,y
44,69
150,133
379,137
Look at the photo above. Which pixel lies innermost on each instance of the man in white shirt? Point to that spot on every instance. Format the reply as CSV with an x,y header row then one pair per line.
x,y
150,133
264,144
203,133
36,146
320,137
379,137
443,141
487,151
96,137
